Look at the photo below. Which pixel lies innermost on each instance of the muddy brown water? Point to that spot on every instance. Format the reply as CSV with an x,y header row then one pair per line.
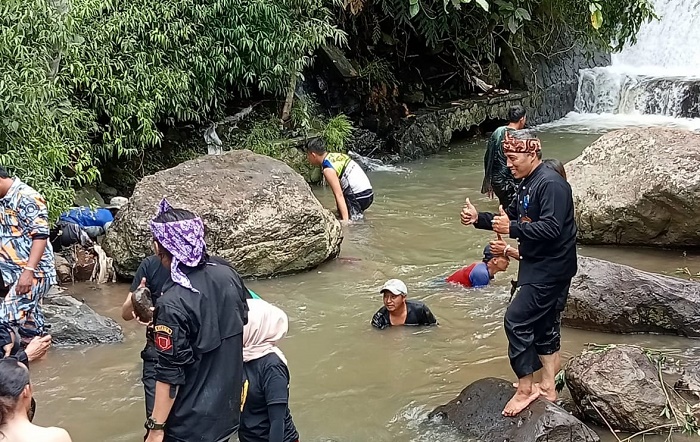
x,y
350,382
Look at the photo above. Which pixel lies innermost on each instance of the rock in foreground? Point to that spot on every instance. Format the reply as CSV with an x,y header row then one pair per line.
x,y
638,187
260,215
477,413
621,384
611,297
75,323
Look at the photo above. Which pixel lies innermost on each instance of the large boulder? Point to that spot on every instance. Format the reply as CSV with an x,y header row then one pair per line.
x,y
260,215
638,187
477,413
75,323
621,387
611,297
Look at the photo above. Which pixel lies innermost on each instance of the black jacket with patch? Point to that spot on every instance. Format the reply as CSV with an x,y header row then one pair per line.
x,y
199,338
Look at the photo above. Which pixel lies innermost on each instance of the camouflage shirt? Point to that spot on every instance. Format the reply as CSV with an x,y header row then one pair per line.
x,y
24,217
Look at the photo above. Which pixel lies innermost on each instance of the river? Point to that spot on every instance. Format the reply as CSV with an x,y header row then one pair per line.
x,y
350,382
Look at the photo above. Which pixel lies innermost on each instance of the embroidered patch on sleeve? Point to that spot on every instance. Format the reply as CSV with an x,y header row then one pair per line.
x,y
164,339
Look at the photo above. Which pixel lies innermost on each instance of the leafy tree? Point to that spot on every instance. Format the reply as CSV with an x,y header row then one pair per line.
x,y
43,136
454,42
144,62
92,80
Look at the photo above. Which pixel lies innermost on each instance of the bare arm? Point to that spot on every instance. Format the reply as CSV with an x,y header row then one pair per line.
x,y
36,252
128,308
163,401
334,183
513,252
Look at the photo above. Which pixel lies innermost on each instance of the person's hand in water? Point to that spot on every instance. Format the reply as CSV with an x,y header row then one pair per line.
x,y
37,347
501,223
469,213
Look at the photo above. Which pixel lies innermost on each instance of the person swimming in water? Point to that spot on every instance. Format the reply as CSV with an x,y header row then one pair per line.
x,y
398,310
480,274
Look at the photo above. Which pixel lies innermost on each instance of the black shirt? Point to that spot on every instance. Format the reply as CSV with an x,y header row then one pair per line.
x,y
156,276
268,385
542,220
10,335
417,314
199,338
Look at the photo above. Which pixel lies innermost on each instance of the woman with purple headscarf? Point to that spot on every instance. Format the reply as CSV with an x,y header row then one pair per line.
x,y
198,333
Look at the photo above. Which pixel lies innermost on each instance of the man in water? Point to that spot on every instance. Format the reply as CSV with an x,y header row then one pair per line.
x,y
349,183
541,218
27,267
480,274
498,179
198,333
398,310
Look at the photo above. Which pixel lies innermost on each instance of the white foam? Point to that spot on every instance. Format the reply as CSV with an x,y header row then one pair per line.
x,y
588,123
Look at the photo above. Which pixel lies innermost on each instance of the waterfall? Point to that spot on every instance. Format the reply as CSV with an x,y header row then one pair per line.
x,y
656,81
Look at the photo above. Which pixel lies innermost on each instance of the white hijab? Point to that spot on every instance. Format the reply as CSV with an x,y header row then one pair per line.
x,y
266,326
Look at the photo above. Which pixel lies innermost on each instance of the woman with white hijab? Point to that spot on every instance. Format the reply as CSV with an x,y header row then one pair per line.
x,y
265,415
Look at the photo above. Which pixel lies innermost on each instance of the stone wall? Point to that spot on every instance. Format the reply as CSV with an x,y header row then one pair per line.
x,y
553,81
430,130
548,90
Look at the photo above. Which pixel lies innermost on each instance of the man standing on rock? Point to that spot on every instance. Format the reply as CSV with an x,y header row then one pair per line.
x,y
498,178
198,334
541,218
27,266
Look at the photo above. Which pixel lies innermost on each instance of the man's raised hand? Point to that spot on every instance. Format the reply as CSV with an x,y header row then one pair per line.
x,y
501,223
469,213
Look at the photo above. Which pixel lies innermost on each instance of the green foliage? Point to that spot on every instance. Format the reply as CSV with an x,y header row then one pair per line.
x,y
43,136
610,21
268,137
144,62
96,80
450,42
336,132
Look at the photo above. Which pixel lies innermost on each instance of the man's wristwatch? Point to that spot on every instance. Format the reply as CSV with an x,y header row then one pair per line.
x,y
151,424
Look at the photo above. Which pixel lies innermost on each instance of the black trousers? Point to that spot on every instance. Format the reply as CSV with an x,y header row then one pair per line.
x,y
358,202
150,358
532,324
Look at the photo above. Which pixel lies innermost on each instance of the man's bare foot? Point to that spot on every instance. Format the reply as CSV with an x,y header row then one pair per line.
x,y
516,384
548,392
520,401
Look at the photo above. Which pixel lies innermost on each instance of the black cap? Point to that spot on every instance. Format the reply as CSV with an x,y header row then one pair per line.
x,y
488,256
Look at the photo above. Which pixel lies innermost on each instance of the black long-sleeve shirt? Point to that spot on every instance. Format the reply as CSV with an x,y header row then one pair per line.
x,y
199,338
542,220
10,335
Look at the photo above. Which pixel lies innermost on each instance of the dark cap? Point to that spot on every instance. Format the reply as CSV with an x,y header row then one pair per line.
x,y
488,256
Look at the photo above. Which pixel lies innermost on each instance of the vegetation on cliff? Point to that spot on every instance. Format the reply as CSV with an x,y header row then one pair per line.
x,y
433,51
90,83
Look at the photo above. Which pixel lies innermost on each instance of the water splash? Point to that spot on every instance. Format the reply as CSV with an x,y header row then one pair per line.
x,y
376,165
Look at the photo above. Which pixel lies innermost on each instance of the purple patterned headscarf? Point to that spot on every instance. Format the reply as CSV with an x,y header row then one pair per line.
x,y
184,240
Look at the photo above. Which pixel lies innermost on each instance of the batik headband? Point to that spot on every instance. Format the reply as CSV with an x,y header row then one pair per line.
x,y
512,144
185,242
